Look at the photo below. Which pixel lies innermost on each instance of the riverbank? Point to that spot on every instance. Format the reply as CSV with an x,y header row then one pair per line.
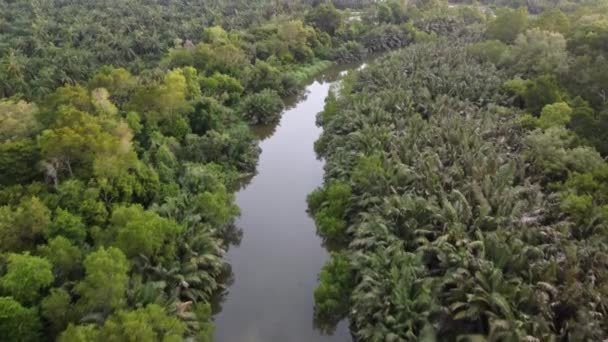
x,y
276,263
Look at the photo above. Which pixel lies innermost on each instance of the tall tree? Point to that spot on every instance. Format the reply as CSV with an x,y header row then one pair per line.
x,y
105,283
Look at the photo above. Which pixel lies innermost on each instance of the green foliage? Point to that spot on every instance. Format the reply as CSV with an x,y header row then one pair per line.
x,y
583,197
350,51
16,160
537,93
80,144
329,110
137,231
386,37
219,56
336,280
199,178
552,21
577,206
118,81
329,226
17,323
537,52
463,224
79,333
458,219
100,99
224,87
216,207
548,151
385,13
67,225
22,227
65,47
508,24
591,127
297,39
232,147
76,197
591,32
315,199
17,120
557,114
208,184
369,173
326,18
263,76
146,324
64,255
262,108
329,208
105,283
209,114
305,74
493,51
121,170
56,308
203,315
67,95
26,276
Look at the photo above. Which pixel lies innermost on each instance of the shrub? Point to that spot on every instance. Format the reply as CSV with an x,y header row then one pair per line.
x,y
262,108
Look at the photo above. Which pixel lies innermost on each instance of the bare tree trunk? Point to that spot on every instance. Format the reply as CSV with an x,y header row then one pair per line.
x,y
69,165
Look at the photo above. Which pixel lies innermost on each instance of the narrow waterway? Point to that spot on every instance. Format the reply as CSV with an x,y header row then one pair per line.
x,y
276,265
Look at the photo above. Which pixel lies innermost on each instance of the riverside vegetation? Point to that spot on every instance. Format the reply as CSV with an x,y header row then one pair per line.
x,y
124,131
466,183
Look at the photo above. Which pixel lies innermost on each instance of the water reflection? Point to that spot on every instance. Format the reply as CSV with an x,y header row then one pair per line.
x,y
276,259
219,297
232,235
263,132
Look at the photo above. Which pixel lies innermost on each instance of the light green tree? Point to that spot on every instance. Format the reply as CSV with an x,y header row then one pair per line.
x,y
137,231
552,20
64,255
68,225
26,276
508,24
118,81
17,120
57,309
326,18
17,323
80,333
151,323
538,52
22,226
100,99
556,114
105,283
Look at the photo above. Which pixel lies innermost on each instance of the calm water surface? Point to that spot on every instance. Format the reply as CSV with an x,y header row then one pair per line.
x,y
276,265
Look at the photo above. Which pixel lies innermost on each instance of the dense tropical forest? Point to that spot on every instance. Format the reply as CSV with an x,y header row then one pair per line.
x,y
466,183
125,130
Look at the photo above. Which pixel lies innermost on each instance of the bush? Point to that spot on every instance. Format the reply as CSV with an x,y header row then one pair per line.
x,y
18,324
493,51
26,277
330,226
335,285
350,51
329,207
262,108
557,114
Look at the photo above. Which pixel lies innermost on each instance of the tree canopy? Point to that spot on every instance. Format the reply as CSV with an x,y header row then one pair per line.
x,y
465,175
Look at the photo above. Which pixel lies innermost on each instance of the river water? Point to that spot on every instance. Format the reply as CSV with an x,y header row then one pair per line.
x,y
276,264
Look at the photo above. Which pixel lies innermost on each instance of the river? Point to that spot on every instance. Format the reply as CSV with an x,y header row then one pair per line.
x,y
276,264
